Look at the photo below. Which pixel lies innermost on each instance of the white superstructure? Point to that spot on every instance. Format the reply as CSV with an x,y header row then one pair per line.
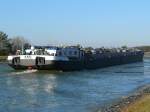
x,y
44,55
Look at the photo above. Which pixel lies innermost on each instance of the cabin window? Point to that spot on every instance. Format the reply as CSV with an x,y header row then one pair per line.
x,y
70,52
64,53
60,53
75,52
52,54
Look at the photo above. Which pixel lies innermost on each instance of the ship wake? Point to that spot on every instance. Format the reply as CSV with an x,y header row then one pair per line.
x,y
25,72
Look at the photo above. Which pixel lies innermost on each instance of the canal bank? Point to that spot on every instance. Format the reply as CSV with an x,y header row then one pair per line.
x,y
138,101
141,105
3,58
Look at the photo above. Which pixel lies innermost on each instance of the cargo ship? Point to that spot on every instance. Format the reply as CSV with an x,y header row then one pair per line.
x,y
71,58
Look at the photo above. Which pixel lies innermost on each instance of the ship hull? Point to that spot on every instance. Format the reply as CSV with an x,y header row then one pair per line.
x,y
45,62
22,62
62,65
91,63
112,61
22,67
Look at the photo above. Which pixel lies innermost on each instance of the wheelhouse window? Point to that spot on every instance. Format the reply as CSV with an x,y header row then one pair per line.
x,y
70,52
60,53
75,52
64,53
52,54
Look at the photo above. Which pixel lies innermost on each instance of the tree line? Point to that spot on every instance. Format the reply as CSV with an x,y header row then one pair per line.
x,y
144,48
10,45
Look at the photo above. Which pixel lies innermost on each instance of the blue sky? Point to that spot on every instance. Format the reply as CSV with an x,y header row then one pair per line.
x,y
87,22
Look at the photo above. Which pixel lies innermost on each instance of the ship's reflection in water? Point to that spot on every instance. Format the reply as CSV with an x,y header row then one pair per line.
x,y
82,91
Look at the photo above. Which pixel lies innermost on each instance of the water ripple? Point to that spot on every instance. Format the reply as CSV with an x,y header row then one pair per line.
x,y
82,91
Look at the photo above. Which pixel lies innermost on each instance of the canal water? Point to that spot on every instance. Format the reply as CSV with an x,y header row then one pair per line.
x,y
81,91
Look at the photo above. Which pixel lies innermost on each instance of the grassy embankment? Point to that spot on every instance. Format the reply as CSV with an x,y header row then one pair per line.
x,y
139,101
3,58
141,105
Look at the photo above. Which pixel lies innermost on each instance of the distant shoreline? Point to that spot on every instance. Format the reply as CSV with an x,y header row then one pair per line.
x,y
147,55
127,101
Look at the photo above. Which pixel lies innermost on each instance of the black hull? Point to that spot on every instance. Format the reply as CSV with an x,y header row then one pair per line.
x,y
112,61
87,63
63,66
91,63
21,67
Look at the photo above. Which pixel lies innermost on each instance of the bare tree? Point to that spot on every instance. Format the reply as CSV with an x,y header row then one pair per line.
x,y
17,43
